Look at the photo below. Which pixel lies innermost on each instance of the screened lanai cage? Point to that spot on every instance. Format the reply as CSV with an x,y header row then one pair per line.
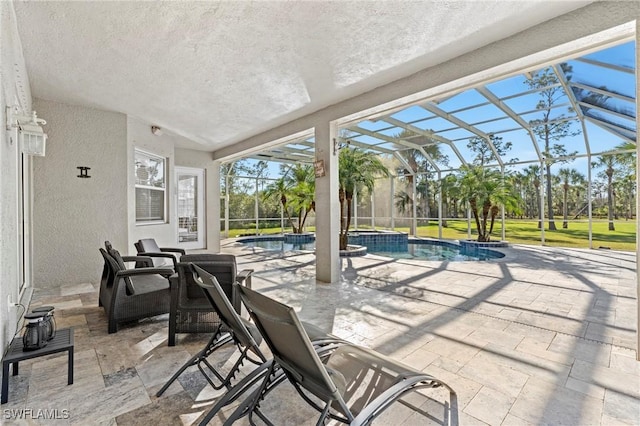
x,y
560,139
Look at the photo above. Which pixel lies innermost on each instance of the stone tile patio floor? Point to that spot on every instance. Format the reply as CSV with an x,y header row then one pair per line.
x,y
543,336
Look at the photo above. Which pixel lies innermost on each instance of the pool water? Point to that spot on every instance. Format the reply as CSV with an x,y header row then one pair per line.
x,y
440,252
279,245
432,251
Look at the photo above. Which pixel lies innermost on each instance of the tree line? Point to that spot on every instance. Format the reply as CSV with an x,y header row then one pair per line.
x,y
481,185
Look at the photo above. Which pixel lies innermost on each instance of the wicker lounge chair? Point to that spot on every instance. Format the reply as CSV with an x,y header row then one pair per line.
x,y
106,280
191,312
162,256
133,294
338,381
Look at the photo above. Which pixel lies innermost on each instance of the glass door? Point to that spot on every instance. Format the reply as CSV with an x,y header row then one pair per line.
x,y
190,204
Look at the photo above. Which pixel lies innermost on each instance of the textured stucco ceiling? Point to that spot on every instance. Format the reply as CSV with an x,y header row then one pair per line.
x,y
217,72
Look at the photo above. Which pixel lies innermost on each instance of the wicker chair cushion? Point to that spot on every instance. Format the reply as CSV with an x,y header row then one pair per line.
x,y
149,245
116,256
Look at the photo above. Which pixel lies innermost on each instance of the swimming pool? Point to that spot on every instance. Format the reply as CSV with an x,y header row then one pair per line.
x,y
415,249
277,245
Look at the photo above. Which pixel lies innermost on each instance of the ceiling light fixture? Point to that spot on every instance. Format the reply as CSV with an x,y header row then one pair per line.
x,y
32,137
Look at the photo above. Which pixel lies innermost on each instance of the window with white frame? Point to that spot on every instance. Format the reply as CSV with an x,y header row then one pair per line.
x,y
150,187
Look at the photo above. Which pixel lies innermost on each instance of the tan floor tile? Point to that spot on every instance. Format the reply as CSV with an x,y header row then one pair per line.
x,y
490,406
542,402
494,375
508,336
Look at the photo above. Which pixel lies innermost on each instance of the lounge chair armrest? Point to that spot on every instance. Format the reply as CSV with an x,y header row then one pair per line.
x,y
173,250
165,255
165,272
150,254
244,277
390,395
145,260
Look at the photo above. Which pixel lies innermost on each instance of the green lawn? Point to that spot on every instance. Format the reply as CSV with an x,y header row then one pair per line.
x,y
527,232
524,232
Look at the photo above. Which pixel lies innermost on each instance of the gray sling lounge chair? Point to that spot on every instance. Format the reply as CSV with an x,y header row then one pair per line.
x,y
338,381
231,329
244,335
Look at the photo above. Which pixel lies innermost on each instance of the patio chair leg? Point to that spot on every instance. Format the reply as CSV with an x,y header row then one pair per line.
x,y
323,415
214,343
251,403
237,390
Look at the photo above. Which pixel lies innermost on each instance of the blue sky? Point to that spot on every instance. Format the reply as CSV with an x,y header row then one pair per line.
x,y
513,92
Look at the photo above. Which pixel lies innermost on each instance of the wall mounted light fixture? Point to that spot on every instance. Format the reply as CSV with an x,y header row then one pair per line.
x,y
84,171
31,136
156,130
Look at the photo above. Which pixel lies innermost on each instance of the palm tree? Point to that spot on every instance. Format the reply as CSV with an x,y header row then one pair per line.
x,y
609,163
551,127
357,170
568,178
626,173
303,201
485,190
301,181
532,176
450,190
404,201
419,168
627,188
279,189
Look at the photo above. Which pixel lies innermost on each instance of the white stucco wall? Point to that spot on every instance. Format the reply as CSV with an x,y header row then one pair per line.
x,y
139,136
72,217
14,90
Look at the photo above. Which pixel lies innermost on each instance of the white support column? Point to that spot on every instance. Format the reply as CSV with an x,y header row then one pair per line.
x,y
328,206
213,209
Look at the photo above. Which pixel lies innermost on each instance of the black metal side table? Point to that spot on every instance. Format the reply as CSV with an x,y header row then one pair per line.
x,y
63,341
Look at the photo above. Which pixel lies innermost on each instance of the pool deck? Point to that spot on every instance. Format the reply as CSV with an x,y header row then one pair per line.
x,y
541,336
